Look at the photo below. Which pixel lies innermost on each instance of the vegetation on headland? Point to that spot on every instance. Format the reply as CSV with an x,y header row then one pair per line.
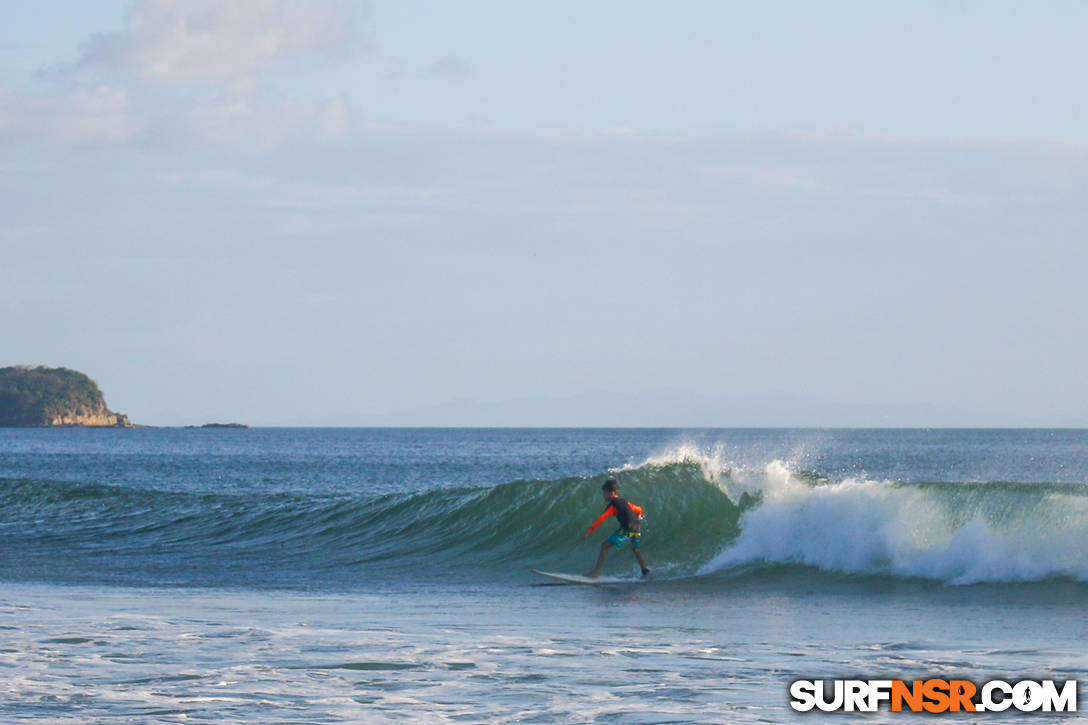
x,y
41,396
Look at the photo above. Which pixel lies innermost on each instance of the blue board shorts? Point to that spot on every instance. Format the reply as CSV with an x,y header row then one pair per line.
x,y
622,536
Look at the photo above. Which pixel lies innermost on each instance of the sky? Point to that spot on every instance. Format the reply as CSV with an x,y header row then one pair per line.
x,y
319,212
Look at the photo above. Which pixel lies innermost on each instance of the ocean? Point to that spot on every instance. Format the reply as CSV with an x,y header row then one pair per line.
x,y
383,575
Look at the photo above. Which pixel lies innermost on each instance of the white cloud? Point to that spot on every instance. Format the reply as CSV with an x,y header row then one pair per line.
x,y
767,175
245,121
207,63
241,117
100,114
198,40
281,192
450,66
333,123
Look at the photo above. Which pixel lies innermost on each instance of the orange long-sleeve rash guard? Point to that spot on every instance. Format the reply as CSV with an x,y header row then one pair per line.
x,y
611,511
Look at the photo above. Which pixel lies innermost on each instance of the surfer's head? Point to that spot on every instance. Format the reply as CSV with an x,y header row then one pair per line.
x,y
610,488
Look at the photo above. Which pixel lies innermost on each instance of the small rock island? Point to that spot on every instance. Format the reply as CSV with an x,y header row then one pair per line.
x,y
37,397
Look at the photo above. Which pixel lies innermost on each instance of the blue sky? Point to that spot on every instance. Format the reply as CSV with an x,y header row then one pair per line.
x,y
335,213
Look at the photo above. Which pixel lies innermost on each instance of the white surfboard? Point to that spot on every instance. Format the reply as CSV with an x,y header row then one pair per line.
x,y
579,579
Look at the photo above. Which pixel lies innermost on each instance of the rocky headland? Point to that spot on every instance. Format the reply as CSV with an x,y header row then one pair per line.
x,y
43,397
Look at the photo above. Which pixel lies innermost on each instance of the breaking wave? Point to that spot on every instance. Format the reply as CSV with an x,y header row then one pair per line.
x,y
705,516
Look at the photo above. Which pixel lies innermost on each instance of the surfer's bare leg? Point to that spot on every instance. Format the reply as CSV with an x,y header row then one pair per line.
x,y
605,546
641,561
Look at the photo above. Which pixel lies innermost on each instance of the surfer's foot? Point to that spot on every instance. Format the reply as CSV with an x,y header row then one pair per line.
x,y
592,574
645,573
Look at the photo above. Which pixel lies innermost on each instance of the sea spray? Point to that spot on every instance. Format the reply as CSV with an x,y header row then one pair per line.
x,y
959,533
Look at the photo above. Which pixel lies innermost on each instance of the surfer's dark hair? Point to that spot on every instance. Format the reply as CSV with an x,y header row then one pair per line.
x,y
610,485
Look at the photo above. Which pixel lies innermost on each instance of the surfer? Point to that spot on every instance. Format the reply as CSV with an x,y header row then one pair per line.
x,y
629,515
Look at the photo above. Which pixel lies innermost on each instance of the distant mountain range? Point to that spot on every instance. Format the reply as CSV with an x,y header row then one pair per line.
x,y
674,408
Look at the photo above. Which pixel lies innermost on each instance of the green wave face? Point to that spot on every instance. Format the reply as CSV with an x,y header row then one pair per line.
x,y
509,526
538,523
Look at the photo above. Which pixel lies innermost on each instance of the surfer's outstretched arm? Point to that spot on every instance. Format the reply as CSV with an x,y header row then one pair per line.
x,y
609,511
